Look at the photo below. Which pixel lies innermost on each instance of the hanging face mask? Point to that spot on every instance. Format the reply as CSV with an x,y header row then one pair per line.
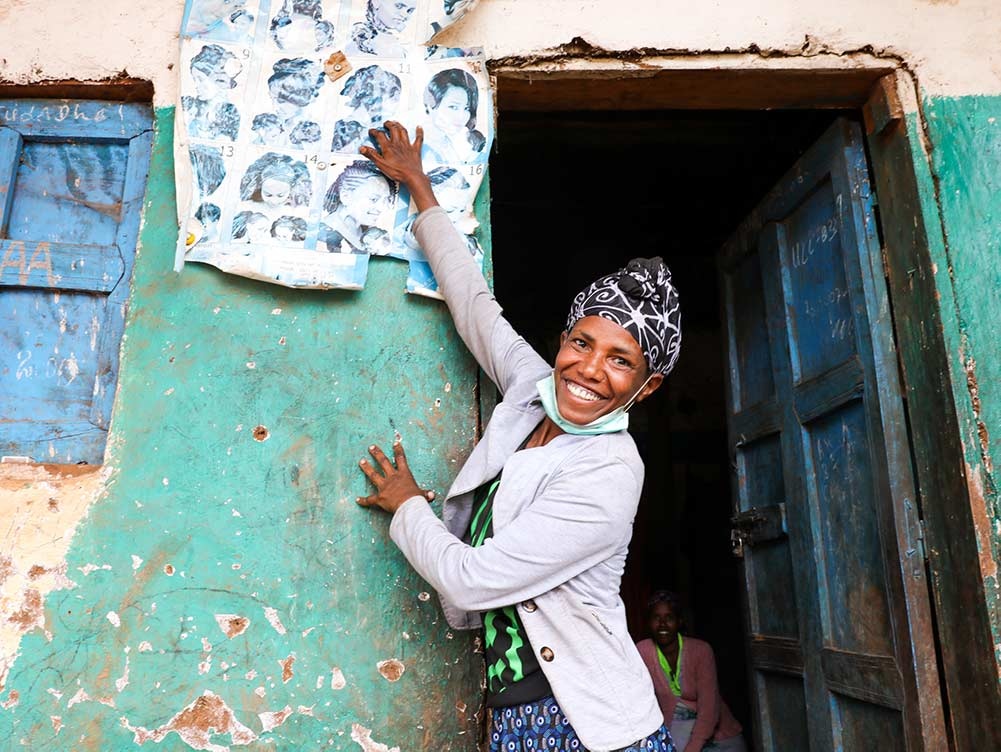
x,y
616,420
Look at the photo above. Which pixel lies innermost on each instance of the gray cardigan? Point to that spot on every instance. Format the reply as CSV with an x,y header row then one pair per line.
x,y
563,517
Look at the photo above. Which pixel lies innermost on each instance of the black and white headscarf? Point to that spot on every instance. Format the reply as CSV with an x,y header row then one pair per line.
x,y
641,299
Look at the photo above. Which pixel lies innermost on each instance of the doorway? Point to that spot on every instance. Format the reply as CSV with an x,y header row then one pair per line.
x,y
609,186
703,140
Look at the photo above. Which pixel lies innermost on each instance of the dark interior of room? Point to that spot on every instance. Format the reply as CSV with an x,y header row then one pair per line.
x,y
577,194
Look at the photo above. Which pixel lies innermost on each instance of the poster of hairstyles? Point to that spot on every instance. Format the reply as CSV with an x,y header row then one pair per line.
x,y
277,97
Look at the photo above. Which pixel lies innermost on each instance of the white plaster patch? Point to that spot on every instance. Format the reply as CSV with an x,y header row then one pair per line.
x,y
114,619
337,680
86,569
272,719
145,647
363,737
123,681
136,562
272,616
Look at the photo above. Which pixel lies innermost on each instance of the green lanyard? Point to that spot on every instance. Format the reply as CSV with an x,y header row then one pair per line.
x,y
673,678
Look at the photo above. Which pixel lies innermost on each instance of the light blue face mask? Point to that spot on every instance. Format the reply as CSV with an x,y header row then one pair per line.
x,y
616,420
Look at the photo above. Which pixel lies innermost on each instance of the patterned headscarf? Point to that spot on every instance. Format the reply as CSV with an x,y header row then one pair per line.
x,y
641,299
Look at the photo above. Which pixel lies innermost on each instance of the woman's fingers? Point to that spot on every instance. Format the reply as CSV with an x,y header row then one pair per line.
x,y
419,138
399,133
382,459
367,501
371,473
379,136
400,456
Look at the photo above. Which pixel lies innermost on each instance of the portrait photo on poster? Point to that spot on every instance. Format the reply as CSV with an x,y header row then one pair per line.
x,y
221,20
383,28
272,134
216,75
358,209
302,26
289,104
455,124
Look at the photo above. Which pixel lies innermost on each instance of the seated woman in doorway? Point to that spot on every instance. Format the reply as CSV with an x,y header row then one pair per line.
x,y
538,521
684,677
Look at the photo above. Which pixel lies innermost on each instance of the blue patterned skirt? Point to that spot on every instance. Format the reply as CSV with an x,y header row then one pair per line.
x,y
540,726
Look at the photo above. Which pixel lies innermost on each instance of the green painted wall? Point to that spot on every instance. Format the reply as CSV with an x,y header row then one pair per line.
x,y
965,138
224,523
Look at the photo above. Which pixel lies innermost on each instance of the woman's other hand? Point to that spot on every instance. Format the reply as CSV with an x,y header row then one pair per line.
x,y
400,160
393,484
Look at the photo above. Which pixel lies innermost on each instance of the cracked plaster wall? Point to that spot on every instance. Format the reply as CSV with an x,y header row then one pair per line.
x,y
949,45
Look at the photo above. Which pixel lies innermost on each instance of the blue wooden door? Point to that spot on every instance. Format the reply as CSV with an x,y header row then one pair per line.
x,y
72,178
837,608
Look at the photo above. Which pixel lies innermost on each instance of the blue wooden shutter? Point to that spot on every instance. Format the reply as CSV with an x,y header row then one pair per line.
x,y
72,179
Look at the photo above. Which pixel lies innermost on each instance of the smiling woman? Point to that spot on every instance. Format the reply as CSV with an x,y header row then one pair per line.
x,y
535,529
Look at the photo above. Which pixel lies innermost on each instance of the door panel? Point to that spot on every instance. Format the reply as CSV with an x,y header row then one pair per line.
x,y
841,646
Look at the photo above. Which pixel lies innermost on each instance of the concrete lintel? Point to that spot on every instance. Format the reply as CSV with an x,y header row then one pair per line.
x,y
709,81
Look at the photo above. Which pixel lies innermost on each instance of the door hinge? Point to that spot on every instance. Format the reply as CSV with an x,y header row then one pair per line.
x,y
922,537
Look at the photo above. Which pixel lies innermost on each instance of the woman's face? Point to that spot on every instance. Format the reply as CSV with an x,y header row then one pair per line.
x,y
275,191
393,14
599,368
258,229
367,201
299,32
213,81
451,195
663,624
452,112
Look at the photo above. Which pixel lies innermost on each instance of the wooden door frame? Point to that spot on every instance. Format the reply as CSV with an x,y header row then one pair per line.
x,y
578,77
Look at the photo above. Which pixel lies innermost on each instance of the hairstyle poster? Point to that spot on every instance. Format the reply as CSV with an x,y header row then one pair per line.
x,y
276,98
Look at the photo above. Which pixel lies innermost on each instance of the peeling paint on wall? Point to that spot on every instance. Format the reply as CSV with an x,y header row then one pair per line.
x,y
222,590
41,507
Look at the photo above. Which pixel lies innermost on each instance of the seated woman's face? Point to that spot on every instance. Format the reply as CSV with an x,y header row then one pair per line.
x,y
367,201
599,368
452,112
663,624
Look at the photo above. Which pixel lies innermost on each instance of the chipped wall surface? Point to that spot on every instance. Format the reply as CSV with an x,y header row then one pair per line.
x,y
951,43
966,132
224,589
214,585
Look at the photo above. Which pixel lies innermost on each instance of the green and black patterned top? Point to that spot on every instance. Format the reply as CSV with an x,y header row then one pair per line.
x,y
513,672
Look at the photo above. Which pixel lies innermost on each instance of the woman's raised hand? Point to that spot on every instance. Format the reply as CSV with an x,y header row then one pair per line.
x,y
400,160
393,484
